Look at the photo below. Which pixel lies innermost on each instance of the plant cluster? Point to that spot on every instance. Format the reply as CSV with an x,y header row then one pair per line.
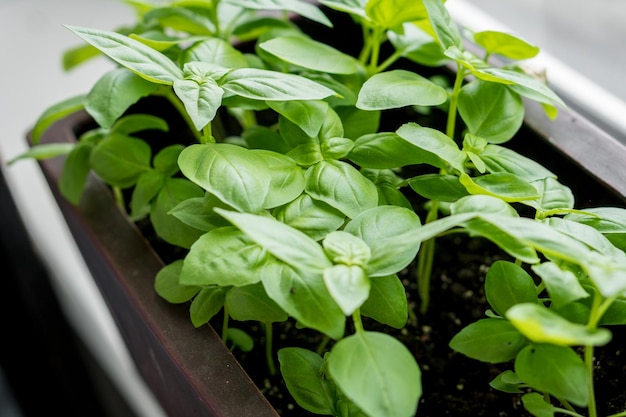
x,y
303,211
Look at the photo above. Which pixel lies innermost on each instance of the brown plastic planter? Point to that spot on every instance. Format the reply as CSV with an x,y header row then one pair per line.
x,y
189,370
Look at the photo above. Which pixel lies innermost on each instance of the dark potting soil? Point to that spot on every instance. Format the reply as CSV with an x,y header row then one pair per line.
x,y
453,385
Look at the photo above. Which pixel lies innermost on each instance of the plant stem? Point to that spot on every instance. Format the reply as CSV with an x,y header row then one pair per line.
x,y
358,323
425,261
269,348
322,346
454,99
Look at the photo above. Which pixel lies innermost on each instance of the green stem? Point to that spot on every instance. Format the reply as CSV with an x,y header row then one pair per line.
x,y
322,346
620,414
425,261
119,197
591,406
367,45
387,62
358,323
375,53
454,99
269,348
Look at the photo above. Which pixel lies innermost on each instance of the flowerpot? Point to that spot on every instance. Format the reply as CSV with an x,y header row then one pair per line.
x,y
190,370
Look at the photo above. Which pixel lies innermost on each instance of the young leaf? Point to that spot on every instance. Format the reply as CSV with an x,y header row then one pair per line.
x,y
201,100
147,188
557,370
166,284
310,54
387,302
268,85
508,187
223,257
379,228
206,304
438,187
399,88
75,172
610,221
134,123
387,150
168,227
391,14
304,296
287,178
490,110
286,243
536,405
377,373
137,57
508,382
120,160
489,340
562,285
553,196
435,142
505,44
417,45
541,325
445,28
55,113
215,51
500,159
302,8
341,186
231,173
305,380
251,302
315,218
506,285
308,115
46,151
348,285
114,93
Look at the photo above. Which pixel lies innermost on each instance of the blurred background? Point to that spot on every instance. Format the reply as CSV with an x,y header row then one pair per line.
x,y
70,358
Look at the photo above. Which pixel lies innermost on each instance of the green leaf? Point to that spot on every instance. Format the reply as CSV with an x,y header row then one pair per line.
x,y
285,243
132,54
315,218
215,51
199,214
310,54
500,159
346,249
489,340
435,142
168,227
610,221
562,285
76,169
240,339
390,14
536,405
387,302
484,204
120,160
541,325
417,45
302,8
379,228
75,56
134,123
201,100
166,160
268,85
251,302
508,382
553,196
181,19
305,297
114,93
348,285
387,150
507,284
399,88
557,370
206,305
55,113
147,188
341,186
378,373
505,44
46,151
301,370
166,284
508,187
287,178
231,173
490,110
309,115
445,28
438,187
223,257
